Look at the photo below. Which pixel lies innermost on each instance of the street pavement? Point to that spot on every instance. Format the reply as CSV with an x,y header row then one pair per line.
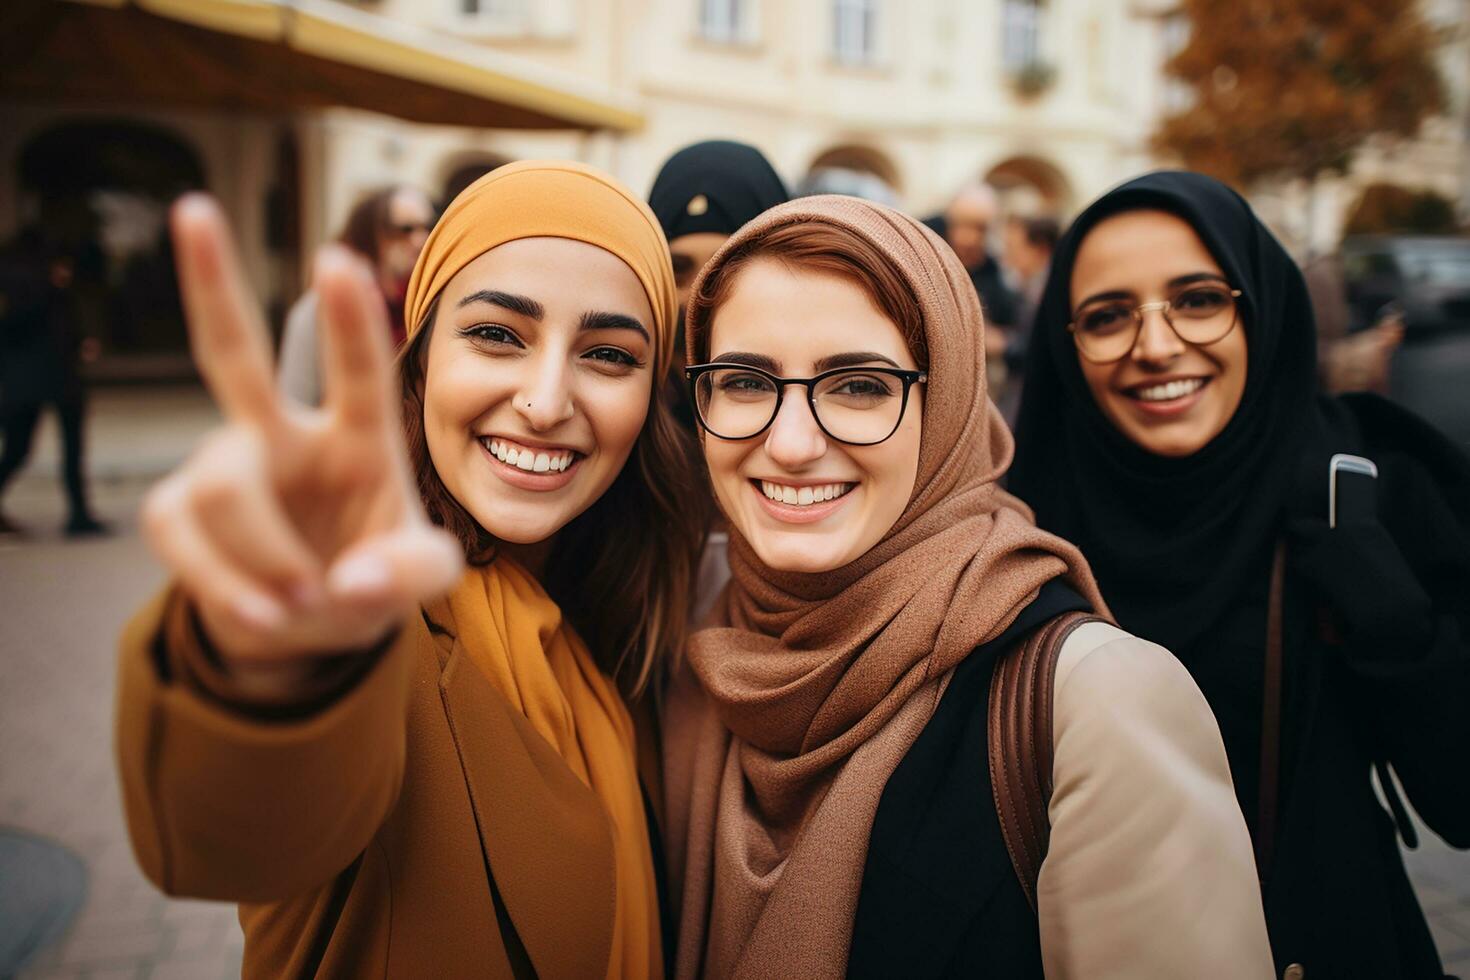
x,y
61,606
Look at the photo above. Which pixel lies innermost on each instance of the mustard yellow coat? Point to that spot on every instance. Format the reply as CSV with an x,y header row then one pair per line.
x,y
359,837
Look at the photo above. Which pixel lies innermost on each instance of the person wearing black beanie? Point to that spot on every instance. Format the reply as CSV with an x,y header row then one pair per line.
x,y
703,194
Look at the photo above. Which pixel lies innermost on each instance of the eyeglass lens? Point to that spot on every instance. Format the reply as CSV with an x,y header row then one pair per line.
x,y
857,406
1109,330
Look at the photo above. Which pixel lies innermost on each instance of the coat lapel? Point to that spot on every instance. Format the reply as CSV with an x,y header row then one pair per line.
x,y
545,834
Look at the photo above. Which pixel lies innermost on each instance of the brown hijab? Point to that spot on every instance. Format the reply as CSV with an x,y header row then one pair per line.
x,y
812,687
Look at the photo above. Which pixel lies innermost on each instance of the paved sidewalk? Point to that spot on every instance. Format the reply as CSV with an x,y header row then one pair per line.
x,y
61,605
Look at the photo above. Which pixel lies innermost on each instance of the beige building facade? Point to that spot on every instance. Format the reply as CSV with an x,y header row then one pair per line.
x,y
1052,101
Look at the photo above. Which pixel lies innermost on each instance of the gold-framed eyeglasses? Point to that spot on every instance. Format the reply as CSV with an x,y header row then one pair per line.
x,y
1107,330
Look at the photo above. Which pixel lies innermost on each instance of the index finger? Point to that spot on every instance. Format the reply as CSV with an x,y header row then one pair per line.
x,y
356,355
226,332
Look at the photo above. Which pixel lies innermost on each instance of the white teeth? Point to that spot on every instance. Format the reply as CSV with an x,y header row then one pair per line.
x,y
530,460
803,496
1170,390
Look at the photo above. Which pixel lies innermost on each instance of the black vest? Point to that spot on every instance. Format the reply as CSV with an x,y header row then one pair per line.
x,y
939,896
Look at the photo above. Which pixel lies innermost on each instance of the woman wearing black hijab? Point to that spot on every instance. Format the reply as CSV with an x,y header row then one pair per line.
x,y
1183,466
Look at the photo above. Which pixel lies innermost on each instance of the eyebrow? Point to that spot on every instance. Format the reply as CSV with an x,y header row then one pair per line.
x,y
524,305
767,364
528,307
851,359
595,320
1176,283
830,363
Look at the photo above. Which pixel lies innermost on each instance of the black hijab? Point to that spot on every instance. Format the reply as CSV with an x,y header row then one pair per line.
x,y
715,186
1174,540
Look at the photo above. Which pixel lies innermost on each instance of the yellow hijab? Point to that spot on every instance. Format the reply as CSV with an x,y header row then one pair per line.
x,y
507,624
549,199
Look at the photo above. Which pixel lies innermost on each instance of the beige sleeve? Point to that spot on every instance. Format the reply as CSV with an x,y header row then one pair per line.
x,y
298,371
1150,871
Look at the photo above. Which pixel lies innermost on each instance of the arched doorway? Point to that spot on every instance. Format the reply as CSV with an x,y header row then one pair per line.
x,y
101,191
860,171
1031,187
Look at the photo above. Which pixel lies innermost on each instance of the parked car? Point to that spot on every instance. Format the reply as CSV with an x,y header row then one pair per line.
x,y
1427,281
1427,278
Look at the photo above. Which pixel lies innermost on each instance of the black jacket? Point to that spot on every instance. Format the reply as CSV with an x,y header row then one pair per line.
x,y
940,897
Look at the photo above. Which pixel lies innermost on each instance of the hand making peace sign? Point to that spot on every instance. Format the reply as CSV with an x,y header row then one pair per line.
x,y
298,532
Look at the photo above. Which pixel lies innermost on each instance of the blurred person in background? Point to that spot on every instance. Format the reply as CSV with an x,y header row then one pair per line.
x,y
966,225
1029,246
387,228
41,355
702,195
1172,428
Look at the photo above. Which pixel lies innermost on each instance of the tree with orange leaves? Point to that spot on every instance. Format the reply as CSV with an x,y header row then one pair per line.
x,y
1292,88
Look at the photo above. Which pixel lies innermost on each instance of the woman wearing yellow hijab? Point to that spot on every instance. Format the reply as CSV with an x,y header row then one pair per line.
x,y
365,709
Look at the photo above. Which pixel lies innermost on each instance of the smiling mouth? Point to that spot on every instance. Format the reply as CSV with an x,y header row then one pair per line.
x,y
530,458
1167,391
802,496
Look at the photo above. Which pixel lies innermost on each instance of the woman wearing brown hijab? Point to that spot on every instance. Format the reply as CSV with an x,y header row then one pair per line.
x,y
829,801
398,766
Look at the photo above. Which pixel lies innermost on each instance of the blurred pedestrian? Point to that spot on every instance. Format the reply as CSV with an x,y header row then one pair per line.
x,y
1172,427
387,228
1029,246
966,225
828,752
399,766
41,353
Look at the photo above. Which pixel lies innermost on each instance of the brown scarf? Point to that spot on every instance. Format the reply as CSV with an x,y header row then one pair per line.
x,y
812,688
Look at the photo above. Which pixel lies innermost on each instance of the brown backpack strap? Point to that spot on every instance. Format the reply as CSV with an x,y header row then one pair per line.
x,y
1020,742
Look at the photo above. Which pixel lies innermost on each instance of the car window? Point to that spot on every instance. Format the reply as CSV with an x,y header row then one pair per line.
x,y
1446,265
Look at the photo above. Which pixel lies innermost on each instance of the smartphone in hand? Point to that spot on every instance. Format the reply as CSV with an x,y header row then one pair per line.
x,y
1352,494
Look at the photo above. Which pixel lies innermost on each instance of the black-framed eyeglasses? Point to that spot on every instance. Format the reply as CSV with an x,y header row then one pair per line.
x,y
857,406
1107,330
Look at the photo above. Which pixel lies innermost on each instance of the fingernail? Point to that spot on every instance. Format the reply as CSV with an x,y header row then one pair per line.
x,y
258,611
194,205
359,576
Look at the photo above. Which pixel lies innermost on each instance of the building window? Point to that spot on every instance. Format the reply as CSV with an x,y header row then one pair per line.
x,y
497,14
855,31
728,21
1021,35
